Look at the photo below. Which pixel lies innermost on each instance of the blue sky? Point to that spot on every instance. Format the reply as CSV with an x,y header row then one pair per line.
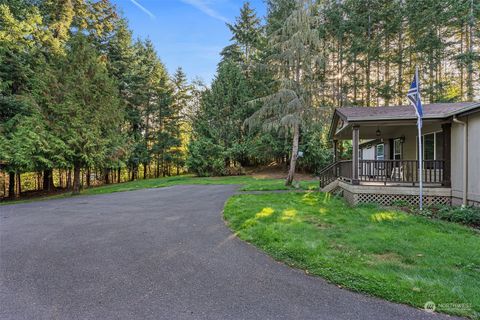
x,y
187,33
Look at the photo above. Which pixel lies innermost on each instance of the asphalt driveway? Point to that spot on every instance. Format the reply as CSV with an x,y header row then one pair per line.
x,y
156,254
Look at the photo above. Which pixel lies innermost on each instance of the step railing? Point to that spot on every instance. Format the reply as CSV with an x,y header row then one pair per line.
x,y
340,169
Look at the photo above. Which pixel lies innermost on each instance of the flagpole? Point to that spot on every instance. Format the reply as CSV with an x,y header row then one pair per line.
x,y
420,150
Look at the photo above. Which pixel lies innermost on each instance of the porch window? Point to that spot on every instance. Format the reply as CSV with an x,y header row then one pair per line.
x,y
380,155
429,146
432,149
433,146
397,149
380,152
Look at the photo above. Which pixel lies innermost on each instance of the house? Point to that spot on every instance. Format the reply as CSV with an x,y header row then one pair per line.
x,y
384,164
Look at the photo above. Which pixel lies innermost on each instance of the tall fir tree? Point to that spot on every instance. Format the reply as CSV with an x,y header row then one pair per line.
x,y
87,114
294,62
247,34
219,122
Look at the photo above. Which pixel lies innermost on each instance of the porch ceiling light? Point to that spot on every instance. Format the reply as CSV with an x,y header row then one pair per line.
x,y
378,133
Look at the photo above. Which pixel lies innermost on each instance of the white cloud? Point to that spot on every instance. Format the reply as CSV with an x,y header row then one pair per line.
x,y
203,6
149,13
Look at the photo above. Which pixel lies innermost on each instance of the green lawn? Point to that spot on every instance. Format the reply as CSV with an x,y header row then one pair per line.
x,y
248,183
386,253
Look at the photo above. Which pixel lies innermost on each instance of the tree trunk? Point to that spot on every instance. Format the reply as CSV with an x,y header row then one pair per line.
x,y
76,179
39,181
11,185
400,88
48,180
19,186
134,169
470,90
144,171
60,179
107,176
293,159
69,179
462,31
119,175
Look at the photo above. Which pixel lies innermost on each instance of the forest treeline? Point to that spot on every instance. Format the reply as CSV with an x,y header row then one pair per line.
x,y
79,96
81,99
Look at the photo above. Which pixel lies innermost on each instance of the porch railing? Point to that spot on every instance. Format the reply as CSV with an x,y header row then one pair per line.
x,y
399,171
405,171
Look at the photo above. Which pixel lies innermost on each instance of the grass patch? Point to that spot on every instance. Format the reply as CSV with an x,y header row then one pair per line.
x,y
387,253
248,183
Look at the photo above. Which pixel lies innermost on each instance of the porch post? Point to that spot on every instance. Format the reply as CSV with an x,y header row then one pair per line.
x,y
335,150
355,162
447,154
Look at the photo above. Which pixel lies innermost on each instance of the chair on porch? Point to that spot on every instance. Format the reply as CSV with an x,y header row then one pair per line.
x,y
397,173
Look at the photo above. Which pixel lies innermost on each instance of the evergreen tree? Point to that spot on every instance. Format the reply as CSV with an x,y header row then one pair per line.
x,y
294,62
86,109
23,38
247,34
180,100
277,12
219,122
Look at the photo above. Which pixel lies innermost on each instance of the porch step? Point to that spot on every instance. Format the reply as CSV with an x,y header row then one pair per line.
x,y
331,186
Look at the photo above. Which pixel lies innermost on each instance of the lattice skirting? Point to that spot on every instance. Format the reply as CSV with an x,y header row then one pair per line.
x,y
389,199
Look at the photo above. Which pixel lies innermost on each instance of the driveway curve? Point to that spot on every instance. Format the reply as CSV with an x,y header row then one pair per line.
x,y
156,254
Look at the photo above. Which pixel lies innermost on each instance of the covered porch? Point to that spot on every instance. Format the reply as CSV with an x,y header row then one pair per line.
x,y
384,156
387,154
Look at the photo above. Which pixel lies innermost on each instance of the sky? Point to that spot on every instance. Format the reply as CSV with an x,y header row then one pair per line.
x,y
186,33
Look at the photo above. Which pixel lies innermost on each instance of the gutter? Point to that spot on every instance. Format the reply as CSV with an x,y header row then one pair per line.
x,y
465,159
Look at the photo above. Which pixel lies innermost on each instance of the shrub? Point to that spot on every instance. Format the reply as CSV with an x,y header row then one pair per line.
x,y
206,158
468,215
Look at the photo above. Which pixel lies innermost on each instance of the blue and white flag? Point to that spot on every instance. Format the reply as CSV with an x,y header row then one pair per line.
x,y
414,97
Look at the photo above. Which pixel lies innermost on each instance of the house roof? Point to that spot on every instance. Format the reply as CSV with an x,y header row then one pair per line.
x,y
346,117
430,111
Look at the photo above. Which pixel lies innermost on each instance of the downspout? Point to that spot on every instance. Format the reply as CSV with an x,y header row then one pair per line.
x,y
465,160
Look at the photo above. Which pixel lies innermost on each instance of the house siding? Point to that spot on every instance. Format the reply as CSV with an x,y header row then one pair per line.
x,y
473,160
411,139
409,147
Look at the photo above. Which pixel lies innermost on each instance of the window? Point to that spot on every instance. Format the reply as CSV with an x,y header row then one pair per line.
x,y
429,147
380,152
380,155
397,149
433,146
